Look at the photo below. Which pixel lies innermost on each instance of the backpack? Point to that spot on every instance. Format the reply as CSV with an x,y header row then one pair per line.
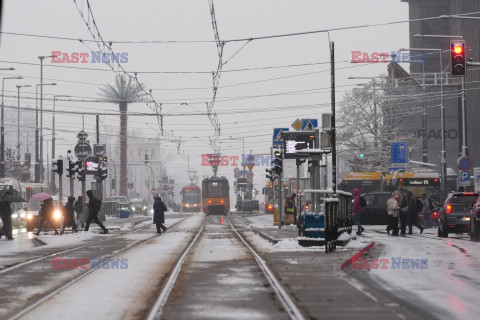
x,y
419,205
363,202
164,206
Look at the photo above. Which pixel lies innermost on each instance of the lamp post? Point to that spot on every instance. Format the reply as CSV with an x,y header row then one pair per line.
x,y
53,140
18,118
443,152
2,152
38,165
41,113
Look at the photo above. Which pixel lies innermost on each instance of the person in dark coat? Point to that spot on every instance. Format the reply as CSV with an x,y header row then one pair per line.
x,y
78,207
69,215
357,211
159,209
46,215
412,213
6,215
403,211
94,206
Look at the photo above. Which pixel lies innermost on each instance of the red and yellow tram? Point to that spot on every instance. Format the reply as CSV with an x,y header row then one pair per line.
x,y
191,198
215,195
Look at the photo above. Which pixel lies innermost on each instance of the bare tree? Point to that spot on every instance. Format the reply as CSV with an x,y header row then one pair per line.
x,y
370,119
122,92
15,168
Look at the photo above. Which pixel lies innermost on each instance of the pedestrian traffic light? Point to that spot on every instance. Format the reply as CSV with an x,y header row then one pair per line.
x,y
458,59
81,172
362,155
57,166
270,175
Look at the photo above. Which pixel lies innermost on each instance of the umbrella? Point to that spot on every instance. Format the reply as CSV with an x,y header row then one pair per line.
x,y
12,199
40,196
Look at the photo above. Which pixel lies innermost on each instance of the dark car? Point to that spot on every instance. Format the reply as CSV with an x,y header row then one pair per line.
x,y
454,216
375,213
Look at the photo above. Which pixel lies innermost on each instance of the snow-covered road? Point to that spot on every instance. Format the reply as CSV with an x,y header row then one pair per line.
x,y
446,282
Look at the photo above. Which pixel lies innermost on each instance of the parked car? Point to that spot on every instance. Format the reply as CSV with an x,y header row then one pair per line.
x,y
112,205
375,213
455,215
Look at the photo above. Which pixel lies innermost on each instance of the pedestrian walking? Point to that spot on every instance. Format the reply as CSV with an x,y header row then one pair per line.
x,y
412,213
69,215
393,210
94,206
358,209
291,208
6,216
78,208
46,215
427,211
403,211
159,209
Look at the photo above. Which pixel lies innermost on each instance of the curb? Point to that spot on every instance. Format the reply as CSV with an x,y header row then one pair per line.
x,y
266,237
357,255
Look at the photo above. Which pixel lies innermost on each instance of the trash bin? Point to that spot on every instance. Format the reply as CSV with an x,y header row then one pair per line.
x,y
124,213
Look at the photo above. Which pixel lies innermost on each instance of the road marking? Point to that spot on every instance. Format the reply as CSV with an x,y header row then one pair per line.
x,y
357,285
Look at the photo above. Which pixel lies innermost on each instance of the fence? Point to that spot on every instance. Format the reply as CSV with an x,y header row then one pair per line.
x,y
338,218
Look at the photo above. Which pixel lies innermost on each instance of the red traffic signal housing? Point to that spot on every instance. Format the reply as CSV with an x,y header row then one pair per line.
x,y
458,59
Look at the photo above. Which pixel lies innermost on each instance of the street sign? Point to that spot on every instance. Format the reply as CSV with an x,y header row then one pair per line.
x,y
91,165
464,163
309,124
464,178
476,179
99,150
295,141
154,191
82,135
82,150
250,175
277,136
297,125
399,154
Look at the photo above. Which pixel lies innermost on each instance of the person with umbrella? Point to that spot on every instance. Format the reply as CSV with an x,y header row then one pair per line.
x,y
6,215
94,206
46,215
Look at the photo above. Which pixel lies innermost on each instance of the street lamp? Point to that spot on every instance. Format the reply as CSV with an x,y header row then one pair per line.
x,y
375,124
41,111
2,152
53,139
18,119
38,165
443,152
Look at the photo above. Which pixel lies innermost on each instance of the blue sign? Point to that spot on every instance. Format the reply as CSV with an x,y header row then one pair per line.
x,y
277,137
464,163
464,176
309,124
399,154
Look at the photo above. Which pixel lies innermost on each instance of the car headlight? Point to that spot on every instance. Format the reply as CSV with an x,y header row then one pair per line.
x,y
195,205
187,205
144,208
14,216
133,208
57,214
29,216
22,215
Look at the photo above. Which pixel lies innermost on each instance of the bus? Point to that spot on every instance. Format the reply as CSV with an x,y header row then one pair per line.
x,y
21,189
366,182
418,182
215,195
191,198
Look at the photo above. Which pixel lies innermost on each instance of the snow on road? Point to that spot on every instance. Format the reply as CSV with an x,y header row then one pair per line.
x,y
449,283
122,293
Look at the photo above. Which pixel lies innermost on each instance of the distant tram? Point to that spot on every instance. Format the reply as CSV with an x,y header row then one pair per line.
x,y
215,195
191,198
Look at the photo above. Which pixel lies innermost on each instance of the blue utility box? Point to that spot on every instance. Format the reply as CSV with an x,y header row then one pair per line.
x,y
313,225
124,213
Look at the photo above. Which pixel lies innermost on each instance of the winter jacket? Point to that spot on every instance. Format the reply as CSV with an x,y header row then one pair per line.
x,y
392,206
356,201
94,206
412,204
159,209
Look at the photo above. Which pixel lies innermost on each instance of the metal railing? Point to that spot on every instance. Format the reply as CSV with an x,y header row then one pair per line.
x,y
338,218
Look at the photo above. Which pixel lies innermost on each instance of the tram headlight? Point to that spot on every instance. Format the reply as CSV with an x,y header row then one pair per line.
x,y
22,215
14,215
187,205
57,214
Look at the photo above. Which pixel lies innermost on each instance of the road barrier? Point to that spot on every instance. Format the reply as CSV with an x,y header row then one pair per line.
x,y
338,218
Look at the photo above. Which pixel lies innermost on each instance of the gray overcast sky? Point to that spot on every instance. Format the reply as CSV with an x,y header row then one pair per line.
x,y
190,20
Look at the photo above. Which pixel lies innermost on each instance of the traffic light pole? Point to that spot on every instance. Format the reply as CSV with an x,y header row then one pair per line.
x,y
464,123
280,200
334,143
84,202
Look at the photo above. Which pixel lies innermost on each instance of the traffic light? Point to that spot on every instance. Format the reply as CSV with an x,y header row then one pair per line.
x,y
57,166
278,166
81,172
458,59
270,174
102,168
362,155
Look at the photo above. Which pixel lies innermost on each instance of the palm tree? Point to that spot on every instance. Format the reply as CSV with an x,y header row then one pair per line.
x,y
123,92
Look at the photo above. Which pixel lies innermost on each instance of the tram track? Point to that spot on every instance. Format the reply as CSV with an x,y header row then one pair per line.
x,y
279,292
45,297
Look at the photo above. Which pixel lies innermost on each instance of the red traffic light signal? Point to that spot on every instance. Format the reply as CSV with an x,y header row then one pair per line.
x,y
458,59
